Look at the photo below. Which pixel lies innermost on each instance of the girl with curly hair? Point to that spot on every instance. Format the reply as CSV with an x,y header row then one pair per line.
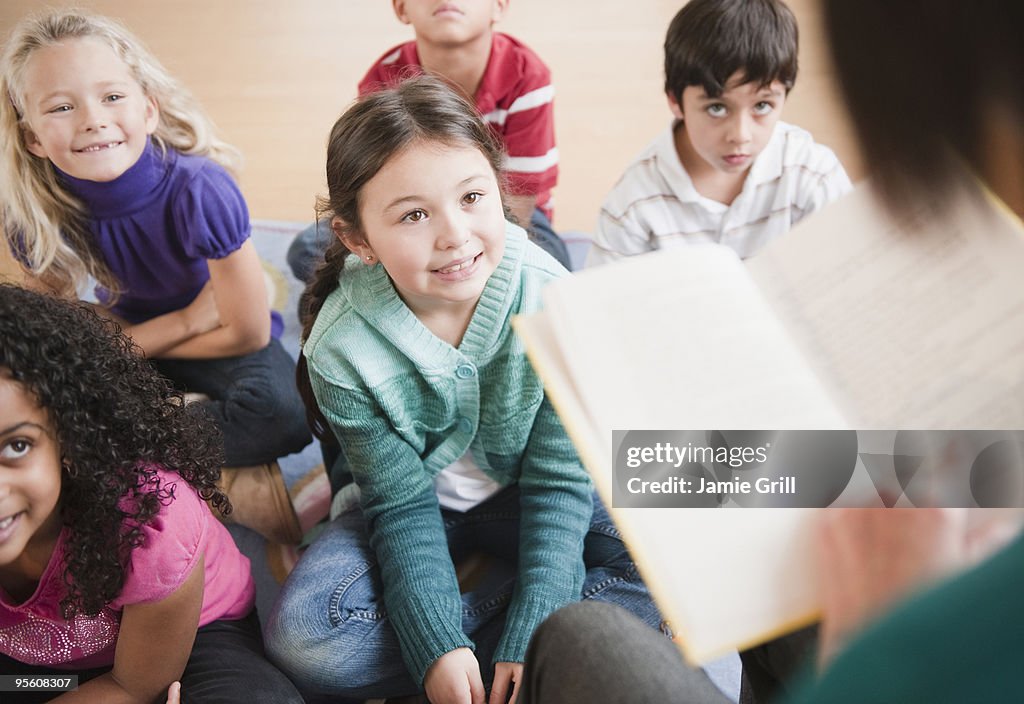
x,y
110,169
112,567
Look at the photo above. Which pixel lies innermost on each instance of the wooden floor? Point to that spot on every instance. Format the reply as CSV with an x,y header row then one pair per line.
x,y
274,75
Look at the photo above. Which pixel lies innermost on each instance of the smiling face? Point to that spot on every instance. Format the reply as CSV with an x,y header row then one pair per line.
x,y
30,473
433,218
722,136
85,110
450,22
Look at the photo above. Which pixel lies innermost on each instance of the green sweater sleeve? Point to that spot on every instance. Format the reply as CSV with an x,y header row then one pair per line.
x,y
555,509
421,592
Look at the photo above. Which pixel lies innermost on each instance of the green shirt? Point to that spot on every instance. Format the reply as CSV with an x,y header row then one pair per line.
x,y
405,404
960,642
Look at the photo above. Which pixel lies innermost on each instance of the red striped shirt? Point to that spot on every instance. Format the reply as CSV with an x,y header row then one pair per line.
x,y
515,99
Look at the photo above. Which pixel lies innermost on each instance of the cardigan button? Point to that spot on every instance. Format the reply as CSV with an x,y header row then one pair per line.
x,y
465,371
465,425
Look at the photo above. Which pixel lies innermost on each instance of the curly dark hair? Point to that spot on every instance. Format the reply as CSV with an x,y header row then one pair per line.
x,y
115,421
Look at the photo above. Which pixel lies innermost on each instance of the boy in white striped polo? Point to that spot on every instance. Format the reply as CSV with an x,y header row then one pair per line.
x,y
727,170
510,87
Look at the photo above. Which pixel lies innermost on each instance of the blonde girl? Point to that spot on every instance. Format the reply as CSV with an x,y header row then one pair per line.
x,y
110,170
452,443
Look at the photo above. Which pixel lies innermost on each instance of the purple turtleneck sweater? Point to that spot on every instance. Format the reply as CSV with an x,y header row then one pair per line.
x,y
155,226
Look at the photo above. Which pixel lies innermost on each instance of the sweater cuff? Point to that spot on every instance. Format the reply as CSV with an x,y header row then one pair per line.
x,y
525,615
428,627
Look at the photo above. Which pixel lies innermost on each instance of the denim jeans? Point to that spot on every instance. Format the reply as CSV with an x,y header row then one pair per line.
x,y
329,629
252,399
227,664
307,249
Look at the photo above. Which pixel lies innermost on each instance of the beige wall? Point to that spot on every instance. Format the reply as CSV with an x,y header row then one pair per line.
x,y
274,75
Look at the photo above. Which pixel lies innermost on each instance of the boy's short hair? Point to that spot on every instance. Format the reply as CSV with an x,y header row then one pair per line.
x,y
710,40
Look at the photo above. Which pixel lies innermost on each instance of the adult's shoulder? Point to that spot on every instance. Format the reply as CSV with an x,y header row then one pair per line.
x,y
927,649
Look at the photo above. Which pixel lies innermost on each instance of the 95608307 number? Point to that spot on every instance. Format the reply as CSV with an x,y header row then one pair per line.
x,y
38,683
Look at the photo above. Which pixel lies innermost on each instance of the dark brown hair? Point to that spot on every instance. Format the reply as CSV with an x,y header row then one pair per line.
x,y
919,80
710,40
367,136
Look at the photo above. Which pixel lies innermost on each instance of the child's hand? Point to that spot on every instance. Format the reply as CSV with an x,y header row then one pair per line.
x,y
174,693
454,678
201,315
505,674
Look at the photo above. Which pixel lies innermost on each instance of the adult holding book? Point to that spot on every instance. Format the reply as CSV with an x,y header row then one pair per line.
x,y
895,627
964,633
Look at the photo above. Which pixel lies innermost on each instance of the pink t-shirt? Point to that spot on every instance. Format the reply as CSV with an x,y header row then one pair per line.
x,y
35,633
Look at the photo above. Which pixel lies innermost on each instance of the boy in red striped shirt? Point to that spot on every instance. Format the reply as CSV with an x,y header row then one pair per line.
x,y
508,83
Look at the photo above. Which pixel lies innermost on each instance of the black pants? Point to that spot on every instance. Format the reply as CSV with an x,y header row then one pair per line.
x,y
227,664
593,653
253,400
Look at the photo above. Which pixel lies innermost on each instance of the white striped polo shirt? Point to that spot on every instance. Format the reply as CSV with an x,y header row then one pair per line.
x,y
656,206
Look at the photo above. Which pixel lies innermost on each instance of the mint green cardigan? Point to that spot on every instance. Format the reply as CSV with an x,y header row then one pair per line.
x,y
404,405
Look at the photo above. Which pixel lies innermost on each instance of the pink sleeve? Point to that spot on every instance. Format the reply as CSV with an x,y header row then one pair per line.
x,y
174,541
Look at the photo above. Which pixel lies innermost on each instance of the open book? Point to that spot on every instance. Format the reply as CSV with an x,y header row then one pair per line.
x,y
848,321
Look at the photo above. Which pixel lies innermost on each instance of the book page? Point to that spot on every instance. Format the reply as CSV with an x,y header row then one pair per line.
x,y
906,328
547,359
901,330
700,563
683,340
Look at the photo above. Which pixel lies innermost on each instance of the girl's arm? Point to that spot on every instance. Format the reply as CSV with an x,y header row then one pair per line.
x,y
157,335
153,647
555,507
403,519
240,296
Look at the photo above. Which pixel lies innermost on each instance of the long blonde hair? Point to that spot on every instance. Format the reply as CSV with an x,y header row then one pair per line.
x,y
45,226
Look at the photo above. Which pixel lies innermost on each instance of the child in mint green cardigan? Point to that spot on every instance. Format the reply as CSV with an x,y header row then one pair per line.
x,y
447,431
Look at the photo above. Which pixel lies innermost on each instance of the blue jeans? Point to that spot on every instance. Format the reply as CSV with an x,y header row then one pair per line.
x,y
307,249
252,399
329,629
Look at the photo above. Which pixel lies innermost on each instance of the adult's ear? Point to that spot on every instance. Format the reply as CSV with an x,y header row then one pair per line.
x,y
674,106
